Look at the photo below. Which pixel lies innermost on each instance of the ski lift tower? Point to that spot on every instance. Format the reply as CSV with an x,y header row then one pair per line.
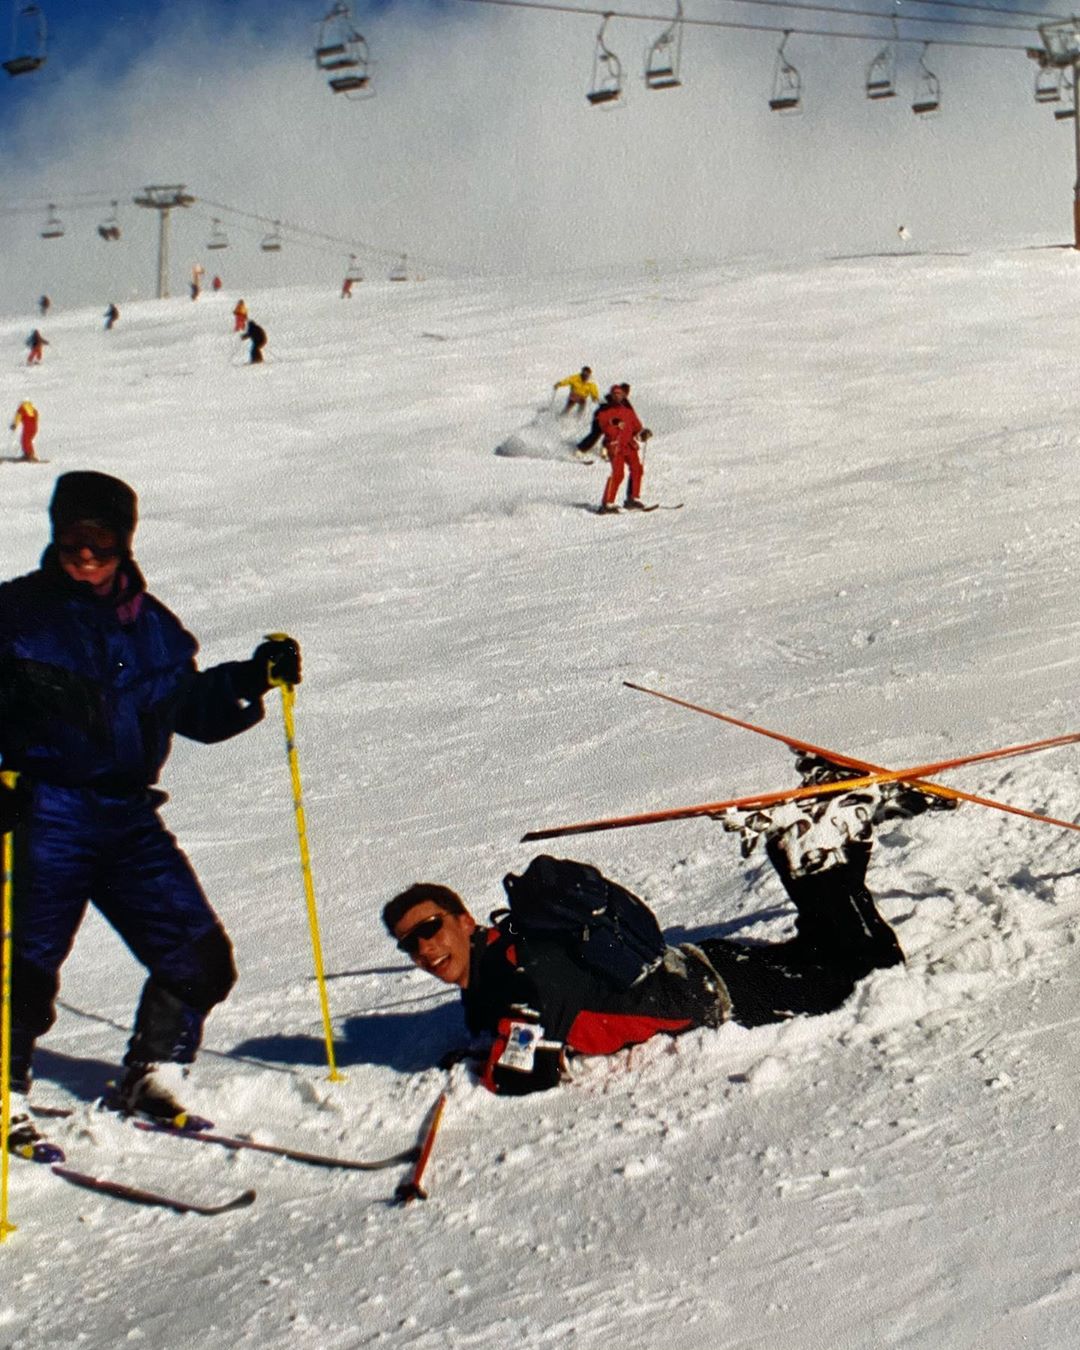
x,y
1061,49
163,200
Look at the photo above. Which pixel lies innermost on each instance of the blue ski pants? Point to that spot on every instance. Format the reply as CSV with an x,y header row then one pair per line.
x,y
79,846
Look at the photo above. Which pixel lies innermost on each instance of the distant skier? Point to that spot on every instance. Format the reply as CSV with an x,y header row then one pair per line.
x,y
620,427
581,390
37,345
96,676
240,316
216,284
346,288
44,305
256,335
111,316
26,418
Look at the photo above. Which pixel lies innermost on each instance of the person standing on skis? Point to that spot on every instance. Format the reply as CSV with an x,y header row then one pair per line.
x,y
26,417
96,676
111,316
622,432
256,335
36,344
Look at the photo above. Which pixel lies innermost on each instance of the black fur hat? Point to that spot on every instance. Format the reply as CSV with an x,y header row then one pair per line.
x,y
87,495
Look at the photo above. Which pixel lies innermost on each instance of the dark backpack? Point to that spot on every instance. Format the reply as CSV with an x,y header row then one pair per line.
x,y
602,925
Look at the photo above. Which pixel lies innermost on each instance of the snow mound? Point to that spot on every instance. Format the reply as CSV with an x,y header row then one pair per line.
x,y
544,437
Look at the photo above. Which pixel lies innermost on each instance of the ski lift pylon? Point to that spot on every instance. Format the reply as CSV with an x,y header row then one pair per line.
x,y
607,77
28,38
54,226
218,237
928,91
787,82
664,56
881,72
341,51
271,243
109,229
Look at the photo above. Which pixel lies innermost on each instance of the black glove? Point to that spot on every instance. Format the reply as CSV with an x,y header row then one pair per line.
x,y
276,661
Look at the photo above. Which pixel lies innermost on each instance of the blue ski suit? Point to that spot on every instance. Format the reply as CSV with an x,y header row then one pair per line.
x,y
91,692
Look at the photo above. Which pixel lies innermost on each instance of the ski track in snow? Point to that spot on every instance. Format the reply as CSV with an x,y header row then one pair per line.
x,y
878,553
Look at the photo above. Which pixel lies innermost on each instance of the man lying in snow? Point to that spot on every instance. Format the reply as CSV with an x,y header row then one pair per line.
x,y
578,965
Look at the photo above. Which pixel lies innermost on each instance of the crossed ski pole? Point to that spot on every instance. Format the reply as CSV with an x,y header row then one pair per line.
x,y
288,699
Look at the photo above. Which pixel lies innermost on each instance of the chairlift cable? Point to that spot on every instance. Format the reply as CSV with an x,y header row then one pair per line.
x,y
743,26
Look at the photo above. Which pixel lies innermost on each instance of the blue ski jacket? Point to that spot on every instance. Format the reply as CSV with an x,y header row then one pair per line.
x,y
92,689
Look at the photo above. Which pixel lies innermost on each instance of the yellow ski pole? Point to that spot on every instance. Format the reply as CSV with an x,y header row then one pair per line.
x,y
288,698
6,922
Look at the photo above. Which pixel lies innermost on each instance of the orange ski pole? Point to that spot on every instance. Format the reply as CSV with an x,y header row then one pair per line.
x,y
934,789
818,790
410,1188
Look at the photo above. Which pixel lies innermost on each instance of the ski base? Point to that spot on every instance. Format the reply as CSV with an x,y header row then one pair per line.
x,y
136,1195
236,1144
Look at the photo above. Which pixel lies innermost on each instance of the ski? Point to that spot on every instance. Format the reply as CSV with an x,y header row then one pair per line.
x,y
661,506
847,761
761,799
281,1151
136,1195
410,1188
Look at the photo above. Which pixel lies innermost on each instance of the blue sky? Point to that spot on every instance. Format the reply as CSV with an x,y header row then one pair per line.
x,y
479,151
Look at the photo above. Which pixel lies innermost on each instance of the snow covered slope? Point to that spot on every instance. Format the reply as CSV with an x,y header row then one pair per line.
x,y
879,461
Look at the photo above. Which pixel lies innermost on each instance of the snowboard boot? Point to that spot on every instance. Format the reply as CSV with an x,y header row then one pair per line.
x,y
149,1090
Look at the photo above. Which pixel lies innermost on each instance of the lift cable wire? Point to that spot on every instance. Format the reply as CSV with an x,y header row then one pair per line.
x,y
765,27
888,18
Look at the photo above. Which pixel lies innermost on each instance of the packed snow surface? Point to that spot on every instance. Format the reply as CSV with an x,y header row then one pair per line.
x,y
880,464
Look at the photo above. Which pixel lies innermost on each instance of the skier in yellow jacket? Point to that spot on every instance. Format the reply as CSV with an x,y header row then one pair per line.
x,y
581,390
26,417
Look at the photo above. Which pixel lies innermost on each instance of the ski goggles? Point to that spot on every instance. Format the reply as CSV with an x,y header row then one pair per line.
x,y
98,540
426,928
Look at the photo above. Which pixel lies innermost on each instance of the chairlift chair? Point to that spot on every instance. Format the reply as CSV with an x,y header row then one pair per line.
x,y
27,41
664,56
109,229
53,228
401,271
607,77
881,73
1048,84
341,48
271,242
928,91
787,83
1068,95
218,238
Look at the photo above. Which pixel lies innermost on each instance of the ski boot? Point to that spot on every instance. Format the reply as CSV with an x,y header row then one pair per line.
x,y
149,1091
26,1141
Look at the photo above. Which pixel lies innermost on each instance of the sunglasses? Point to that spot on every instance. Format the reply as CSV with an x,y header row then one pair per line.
x,y
101,552
426,928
